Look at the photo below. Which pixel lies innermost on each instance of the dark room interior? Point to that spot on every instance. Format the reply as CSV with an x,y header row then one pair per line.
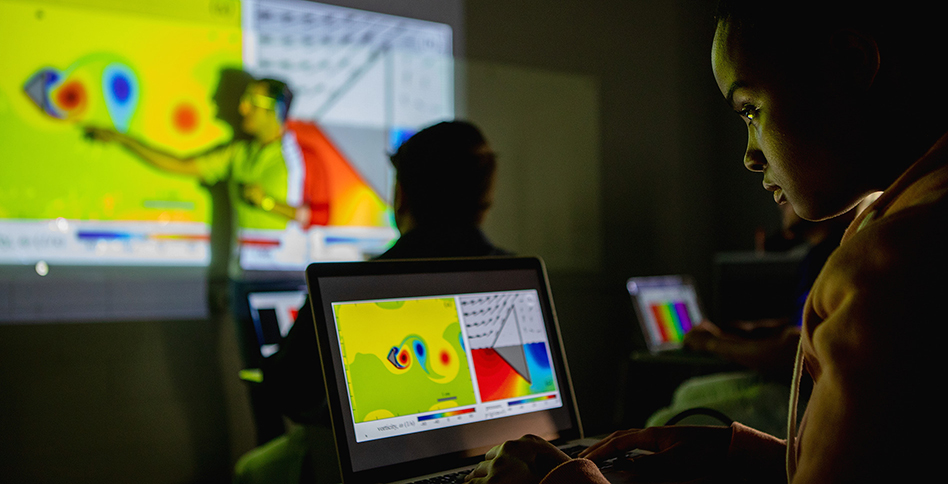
x,y
616,158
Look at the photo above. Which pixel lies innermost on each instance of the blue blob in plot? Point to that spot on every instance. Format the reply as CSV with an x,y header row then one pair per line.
x,y
418,347
120,87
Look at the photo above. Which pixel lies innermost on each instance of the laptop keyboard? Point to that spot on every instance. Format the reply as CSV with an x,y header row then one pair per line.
x,y
458,477
572,451
452,478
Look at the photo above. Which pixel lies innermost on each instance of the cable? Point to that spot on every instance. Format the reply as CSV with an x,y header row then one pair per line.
x,y
710,412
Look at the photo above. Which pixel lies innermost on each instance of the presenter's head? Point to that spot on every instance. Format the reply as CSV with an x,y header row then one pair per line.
x,y
264,107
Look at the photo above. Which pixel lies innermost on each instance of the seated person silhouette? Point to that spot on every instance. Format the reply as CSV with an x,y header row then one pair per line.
x,y
444,178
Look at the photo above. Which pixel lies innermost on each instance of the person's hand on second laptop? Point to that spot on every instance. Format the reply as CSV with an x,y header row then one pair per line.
x,y
702,336
681,453
524,461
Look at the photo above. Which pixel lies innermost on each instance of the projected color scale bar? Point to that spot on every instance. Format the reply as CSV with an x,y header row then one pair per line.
x,y
673,319
117,235
453,413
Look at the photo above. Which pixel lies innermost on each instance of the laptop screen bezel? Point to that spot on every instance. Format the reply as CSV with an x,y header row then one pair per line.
x,y
319,273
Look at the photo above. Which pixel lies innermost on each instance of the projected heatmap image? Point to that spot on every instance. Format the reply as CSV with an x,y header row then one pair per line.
x,y
508,345
87,85
65,68
403,357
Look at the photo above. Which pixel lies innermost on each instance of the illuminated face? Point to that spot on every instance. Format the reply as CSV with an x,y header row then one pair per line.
x,y
802,134
257,109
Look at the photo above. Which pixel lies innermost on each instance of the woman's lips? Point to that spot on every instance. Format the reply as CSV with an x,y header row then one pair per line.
x,y
778,192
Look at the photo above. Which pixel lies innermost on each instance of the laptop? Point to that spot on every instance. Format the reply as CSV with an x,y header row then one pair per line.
x,y
430,363
267,309
666,307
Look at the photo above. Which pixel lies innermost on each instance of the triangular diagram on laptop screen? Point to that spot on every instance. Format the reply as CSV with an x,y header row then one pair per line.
x,y
508,341
515,357
509,344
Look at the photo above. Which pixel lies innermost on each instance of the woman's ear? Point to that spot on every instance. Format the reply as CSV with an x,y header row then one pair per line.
x,y
857,57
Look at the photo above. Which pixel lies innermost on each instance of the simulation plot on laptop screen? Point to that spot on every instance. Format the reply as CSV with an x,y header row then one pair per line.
x,y
417,364
430,363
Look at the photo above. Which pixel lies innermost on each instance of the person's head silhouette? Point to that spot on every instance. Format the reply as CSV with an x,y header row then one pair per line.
x,y
444,175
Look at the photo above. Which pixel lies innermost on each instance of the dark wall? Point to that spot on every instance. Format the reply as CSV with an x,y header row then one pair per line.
x,y
673,185
138,401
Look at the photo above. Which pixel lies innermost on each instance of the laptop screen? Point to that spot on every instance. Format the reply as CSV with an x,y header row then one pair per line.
x,y
264,311
436,361
667,307
273,314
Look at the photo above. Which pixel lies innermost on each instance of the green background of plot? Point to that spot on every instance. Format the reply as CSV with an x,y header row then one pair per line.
x,y
374,387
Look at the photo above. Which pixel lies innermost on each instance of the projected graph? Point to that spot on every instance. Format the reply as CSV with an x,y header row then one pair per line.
x,y
508,344
366,78
333,57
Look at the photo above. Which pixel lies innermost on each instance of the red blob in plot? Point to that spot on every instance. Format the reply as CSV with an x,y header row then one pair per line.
x,y
185,118
445,357
71,96
403,357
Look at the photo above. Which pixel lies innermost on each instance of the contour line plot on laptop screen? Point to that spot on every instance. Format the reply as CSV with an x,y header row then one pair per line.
x,y
416,364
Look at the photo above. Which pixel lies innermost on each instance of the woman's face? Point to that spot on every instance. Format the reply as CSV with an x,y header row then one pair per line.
x,y
800,135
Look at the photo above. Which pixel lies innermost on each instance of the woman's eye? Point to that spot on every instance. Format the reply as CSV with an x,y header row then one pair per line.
x,y
748,112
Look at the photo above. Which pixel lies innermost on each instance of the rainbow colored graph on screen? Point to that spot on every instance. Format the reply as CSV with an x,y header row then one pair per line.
x,y
673,320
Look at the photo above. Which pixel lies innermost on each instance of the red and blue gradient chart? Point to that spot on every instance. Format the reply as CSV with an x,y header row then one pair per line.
x,y
509,346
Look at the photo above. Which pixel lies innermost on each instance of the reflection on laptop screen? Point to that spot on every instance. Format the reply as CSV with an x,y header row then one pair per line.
x,y
416,364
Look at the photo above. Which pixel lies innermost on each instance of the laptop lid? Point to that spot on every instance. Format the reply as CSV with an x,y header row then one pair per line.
x,y
667,307
430,363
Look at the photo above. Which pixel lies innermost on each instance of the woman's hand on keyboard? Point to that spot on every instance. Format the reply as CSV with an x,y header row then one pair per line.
x,y
523,461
